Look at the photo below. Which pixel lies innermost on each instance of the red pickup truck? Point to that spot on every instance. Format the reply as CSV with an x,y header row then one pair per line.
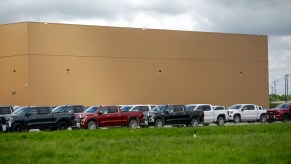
x,y
281,113
102,116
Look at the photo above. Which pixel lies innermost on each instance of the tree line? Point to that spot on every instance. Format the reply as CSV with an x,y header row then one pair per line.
x,y
275,97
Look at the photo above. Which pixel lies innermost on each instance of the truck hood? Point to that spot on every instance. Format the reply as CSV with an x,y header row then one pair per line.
x,y
80,115
274,111
14,116
233,110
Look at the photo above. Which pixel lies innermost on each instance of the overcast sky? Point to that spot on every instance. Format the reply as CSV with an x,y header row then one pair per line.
x,y
266,17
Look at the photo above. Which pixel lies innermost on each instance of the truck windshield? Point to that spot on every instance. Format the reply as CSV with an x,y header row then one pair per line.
x,y
59,109
21,110
91,109
190,108
235,107
282,106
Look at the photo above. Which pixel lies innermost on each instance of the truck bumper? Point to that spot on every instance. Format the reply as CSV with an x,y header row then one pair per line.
x,y
273,118
5,127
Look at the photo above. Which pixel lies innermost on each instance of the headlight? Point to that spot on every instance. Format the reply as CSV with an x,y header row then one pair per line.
x,y
80,116
84,118
231,112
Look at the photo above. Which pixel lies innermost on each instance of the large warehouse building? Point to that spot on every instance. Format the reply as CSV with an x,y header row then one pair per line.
x,y
52,64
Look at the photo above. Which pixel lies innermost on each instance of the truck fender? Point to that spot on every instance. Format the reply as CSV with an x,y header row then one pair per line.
x,y
133,117
220,115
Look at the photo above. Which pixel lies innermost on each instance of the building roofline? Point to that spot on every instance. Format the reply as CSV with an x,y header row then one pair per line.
x,y
122,27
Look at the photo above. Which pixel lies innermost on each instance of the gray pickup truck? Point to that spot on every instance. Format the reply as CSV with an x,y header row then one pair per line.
x,y
37,117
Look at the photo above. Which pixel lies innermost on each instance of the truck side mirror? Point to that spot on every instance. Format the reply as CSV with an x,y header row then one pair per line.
x,y
166,112
100,113
242,109
28,114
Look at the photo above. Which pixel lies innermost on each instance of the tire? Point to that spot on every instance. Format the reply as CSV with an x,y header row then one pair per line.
x,y
63,125
220,121
133,123
263,119
18,127
159,123
194,122
285,118
236,118
92,125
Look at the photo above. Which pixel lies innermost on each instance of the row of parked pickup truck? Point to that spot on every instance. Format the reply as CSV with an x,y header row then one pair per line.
x,y
76,116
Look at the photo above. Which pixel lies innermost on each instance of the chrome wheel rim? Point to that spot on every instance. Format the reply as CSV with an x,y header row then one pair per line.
x,y
133,124
91,125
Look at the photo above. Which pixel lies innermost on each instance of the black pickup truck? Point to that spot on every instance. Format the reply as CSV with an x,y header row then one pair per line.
x,y
36,117
172,115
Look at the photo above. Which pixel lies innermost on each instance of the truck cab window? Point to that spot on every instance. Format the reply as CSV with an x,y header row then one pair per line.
x,y
32,112
178,109
250,107
70,109
206,108
170,109
112,110
144,108
78,109
43,111
104,110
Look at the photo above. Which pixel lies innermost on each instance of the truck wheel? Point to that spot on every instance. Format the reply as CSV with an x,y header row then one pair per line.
x,y
17,127
63,125
285,118
194,122
132,123
159,123
263,119
220,121
236,118
92,125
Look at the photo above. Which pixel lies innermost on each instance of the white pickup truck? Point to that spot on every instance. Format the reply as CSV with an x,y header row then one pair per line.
x,y
218,116
246,112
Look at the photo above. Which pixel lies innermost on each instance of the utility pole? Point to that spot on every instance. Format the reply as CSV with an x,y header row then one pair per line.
x,y
275,81
286,87
272,89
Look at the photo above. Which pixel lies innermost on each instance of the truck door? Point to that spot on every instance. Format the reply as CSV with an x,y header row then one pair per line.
x,y
44,117
31,118
180,115
103,119
249,113
115,118
176,115
208,113
169,115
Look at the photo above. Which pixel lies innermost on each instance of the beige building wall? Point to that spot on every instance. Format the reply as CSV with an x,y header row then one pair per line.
x,y
73,64
13,64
